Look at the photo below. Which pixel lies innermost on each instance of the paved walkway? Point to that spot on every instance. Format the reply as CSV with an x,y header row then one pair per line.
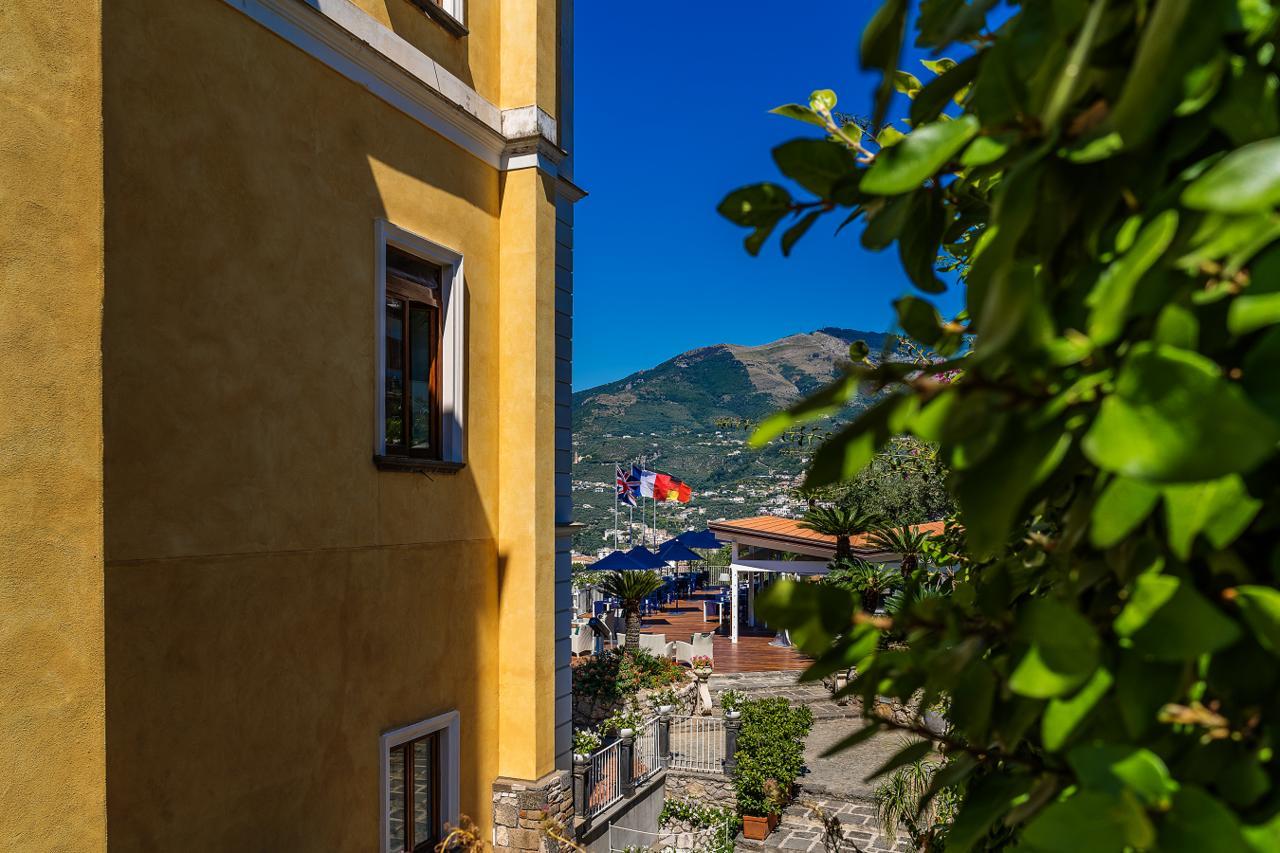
x,y
834,785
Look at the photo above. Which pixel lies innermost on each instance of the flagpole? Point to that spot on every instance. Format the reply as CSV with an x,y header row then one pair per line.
x,y
615,506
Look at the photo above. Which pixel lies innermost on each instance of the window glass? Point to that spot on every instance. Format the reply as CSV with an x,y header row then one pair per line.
x,y
424,790
393,382
422,345
397,840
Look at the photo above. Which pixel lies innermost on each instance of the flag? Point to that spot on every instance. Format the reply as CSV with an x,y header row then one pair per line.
x,y
673,494
647,479
661,486
626,487
686,493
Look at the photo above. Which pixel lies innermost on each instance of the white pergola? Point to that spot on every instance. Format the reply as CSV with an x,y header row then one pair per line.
x,y
799,568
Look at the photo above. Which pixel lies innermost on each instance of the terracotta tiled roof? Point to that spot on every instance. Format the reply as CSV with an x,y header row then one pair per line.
x,y
785,530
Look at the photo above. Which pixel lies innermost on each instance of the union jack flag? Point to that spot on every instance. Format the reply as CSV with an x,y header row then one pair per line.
x,y
627,487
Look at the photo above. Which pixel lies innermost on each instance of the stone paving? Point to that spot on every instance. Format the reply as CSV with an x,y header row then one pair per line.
x,y
833,785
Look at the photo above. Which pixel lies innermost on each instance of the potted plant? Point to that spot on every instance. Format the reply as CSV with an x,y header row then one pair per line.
x,y
701,666
585,744
731,701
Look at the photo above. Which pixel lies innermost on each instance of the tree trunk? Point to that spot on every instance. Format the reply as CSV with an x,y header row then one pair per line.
x,y
633,628
843,548
908,566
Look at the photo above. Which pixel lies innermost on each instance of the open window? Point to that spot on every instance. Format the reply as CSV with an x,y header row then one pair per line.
x,y
420,353
420,784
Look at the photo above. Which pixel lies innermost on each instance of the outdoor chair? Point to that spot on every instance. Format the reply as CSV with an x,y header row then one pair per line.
x,y
700,645
582,640
656,645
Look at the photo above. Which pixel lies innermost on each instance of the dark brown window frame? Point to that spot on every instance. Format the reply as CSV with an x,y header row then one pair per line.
x,y
411,293
412,845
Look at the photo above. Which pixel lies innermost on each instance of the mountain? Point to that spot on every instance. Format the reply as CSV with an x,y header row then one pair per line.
x,y
697,388
689,416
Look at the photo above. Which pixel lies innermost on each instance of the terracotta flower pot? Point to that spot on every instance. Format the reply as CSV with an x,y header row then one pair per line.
x,y
756,828
774,820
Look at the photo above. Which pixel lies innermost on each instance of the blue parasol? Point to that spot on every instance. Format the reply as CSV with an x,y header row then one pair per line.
x,y
700,539
646,559
617,561
673,550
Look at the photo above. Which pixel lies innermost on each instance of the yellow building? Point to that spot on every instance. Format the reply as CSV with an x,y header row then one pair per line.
x,y
285,297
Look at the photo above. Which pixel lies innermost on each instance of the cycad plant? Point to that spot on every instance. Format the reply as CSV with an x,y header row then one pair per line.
x,y
631,588
913,545
842,522
869,581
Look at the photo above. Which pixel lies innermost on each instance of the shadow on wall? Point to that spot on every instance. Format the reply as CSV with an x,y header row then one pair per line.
x,y
273,603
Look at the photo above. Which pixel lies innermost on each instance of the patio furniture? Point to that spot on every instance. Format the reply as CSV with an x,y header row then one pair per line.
x,y
582,640
701,644
656,645
707,604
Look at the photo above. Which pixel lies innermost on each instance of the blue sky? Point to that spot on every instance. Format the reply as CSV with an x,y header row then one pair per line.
x,y
671,114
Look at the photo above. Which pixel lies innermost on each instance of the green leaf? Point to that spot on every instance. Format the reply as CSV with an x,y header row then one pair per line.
x,y
1259,305
815,614
939,66
971,701
909,755
1062,653
1113,768
755,205
1093,821
1123,505
906,83
991,492
1062,717
795,232
1173,418
919,319
1221,509
907,165
1260,606
799,112
1110,298
886,221
1260,367
1166,619
1245,181
1198,822
815,164
918,245
831,398
1176,37
1142,688
880,47
847,452
938,92
985,150
822,99
988,798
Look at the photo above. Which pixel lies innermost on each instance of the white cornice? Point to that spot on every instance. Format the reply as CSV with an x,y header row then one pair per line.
x,y
360,48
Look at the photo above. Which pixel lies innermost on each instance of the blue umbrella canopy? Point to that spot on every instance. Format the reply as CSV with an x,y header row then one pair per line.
x,y
700,539
617,561
673,550
646,559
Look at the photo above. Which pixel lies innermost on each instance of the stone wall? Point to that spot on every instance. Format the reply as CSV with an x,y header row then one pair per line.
x,y
587,712
703,789
527,815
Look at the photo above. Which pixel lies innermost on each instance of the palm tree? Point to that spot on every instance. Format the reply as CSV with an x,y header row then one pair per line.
x,y
869,581
842,522
631,588
911,544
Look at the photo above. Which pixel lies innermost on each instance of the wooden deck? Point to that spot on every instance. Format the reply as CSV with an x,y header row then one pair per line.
x,y
752,653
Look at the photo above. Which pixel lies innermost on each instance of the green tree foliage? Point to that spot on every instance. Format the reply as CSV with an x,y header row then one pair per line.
x,y
1102,179
870,582
630,588
840,521
770,754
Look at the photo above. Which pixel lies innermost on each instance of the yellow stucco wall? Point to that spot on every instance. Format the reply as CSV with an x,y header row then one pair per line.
x,y
273,601
51,660
474,58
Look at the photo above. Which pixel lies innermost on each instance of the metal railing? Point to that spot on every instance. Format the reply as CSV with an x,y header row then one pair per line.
x,y
648,752
697,744
604,779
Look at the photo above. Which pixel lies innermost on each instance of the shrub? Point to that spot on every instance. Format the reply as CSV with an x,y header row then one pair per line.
x,y
615,675
770,754
585,742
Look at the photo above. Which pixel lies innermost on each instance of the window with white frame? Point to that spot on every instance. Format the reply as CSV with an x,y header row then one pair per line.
x,y
419,323
419,784
451,14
